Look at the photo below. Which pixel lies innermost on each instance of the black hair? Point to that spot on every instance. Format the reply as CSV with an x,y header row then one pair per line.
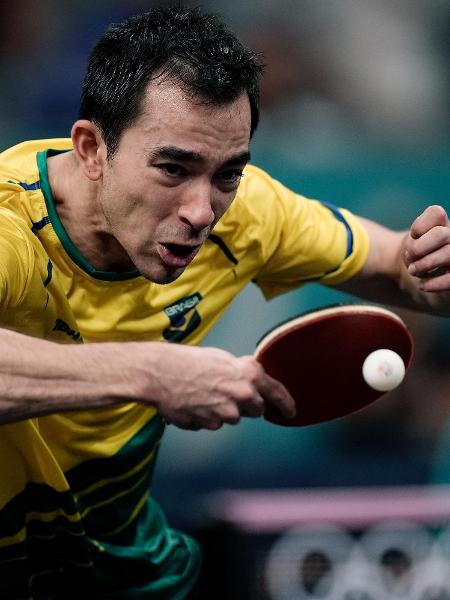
x,y
186,45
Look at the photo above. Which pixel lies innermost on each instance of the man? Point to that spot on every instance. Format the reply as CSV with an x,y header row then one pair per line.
x,y
137,232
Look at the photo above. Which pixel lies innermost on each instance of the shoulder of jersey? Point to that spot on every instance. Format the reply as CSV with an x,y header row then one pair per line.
x,y
18,163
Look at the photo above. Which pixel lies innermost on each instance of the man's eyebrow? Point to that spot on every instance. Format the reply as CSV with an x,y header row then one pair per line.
x,y
180,154
239,159
175,153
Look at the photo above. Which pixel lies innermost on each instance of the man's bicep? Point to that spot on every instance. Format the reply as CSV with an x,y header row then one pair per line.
x,y
321,243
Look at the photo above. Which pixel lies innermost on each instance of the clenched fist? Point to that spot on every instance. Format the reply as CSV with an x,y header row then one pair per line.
x,y
427,250
197,388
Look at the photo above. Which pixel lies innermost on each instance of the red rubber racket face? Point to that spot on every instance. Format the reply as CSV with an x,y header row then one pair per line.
x,y
319,356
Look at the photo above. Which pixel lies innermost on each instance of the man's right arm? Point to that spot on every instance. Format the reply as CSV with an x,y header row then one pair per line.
x,y
191,387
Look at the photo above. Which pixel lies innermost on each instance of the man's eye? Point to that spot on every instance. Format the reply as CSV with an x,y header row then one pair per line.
x,y
172,169
231,176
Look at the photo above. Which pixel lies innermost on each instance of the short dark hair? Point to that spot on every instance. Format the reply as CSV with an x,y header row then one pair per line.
x,y
186,45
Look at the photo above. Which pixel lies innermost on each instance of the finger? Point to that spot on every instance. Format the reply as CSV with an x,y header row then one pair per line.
x,y
433,262
185,419
433,216
213,425
195,424
251,403
430,241
214,417
230,414
437,283
187,424
254,408
275,393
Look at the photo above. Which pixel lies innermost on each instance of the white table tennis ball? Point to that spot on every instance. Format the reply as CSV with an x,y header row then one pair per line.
x,y
383,370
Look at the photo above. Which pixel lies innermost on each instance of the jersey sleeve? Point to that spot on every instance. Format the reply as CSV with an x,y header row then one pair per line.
x,y
304,240
17,259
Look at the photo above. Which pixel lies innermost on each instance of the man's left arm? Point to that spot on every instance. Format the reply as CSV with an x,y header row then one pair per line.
x,y
409,269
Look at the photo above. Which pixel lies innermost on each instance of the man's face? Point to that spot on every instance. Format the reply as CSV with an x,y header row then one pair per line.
x,y
175,172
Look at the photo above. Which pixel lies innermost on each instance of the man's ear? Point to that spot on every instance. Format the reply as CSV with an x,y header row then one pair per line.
x,y
89,148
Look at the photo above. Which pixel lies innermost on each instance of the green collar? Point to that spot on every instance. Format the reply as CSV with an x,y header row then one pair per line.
x,y
62,234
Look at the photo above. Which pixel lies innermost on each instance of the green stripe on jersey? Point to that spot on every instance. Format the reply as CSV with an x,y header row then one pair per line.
x,y
109,539
137,449
41,533
37,501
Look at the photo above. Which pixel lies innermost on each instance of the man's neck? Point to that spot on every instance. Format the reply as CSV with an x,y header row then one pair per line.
x,y
77,204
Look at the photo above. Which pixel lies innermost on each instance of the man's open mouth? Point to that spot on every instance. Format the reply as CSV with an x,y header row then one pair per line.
x,y
177,255
180,250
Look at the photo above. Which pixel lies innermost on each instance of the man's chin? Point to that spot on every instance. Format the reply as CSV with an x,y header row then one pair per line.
x,y
162,276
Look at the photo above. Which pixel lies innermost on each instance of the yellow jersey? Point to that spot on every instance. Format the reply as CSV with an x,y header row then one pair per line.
x,y
75,504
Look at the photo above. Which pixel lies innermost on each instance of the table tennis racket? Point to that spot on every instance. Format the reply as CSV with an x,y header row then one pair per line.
x,y
319,355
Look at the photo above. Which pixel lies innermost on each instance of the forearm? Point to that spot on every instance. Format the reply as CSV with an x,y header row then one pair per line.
x,y
191,387
39,377
402,291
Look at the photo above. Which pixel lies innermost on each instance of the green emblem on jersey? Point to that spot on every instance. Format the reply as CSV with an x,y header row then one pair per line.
x,y
183,316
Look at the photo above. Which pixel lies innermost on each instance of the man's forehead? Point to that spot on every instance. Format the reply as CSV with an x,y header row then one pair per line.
x,y
182,128
169,96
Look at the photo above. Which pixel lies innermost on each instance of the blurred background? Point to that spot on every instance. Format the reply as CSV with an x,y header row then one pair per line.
x,y
355,111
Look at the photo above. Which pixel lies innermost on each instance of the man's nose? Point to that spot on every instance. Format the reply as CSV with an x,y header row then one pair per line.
x,y
196,206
